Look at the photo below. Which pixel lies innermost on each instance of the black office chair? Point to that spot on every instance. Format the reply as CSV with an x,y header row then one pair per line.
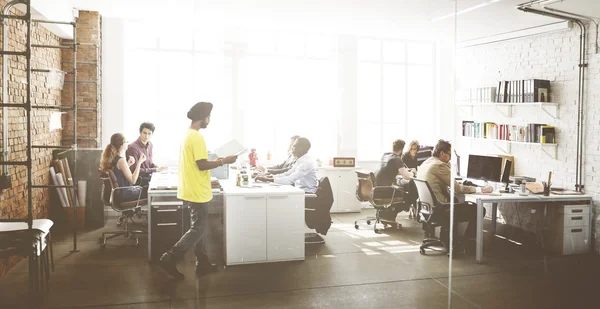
x,y
382,198
317,208
128,209
432,214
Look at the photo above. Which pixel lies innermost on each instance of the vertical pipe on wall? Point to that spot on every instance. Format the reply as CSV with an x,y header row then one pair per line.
x,y
580,92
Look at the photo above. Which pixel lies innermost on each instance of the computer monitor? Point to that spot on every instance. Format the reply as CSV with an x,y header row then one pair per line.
x,y
423,154
484,168
506,173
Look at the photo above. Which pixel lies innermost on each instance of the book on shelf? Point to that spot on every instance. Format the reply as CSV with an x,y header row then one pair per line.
x,y
530,133
523,91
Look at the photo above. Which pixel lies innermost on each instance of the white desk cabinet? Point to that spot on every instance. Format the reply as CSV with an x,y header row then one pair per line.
x,y
343,184
570,229
263,224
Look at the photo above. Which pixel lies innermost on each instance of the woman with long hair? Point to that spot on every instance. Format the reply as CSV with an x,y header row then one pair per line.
x,y
113,158
410,157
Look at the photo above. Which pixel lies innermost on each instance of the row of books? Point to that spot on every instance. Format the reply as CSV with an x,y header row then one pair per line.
x,y
531,133
477,95
523,91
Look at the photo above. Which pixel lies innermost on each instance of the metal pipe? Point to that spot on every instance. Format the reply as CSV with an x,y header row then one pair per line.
x,y
582,16
5,54
580,95
74,175
51,46
52,22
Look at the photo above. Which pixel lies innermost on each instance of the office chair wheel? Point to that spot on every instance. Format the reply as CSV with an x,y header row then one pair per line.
x,y
356,226
422,251
368,222
377,231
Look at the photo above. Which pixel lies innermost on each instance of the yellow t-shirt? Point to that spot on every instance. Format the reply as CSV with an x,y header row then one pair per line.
x,y
194,184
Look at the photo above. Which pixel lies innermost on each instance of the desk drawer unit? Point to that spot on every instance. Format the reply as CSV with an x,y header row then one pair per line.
x,y
168,224
571,230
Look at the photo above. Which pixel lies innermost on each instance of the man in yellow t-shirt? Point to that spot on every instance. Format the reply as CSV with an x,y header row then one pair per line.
x,y
195,190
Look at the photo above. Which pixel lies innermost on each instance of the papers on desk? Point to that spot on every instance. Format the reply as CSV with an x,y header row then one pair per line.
x,y
231,148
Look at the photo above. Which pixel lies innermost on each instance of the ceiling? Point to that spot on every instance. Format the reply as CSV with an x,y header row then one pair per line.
x,y
375,17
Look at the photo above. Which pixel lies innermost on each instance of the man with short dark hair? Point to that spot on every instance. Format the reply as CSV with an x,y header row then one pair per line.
x,y
286,165
436,171
389,167
194,188
303,173
143,146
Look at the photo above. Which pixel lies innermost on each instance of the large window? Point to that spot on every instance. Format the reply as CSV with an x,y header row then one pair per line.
x,y
288,86
165,75
269,85
395,94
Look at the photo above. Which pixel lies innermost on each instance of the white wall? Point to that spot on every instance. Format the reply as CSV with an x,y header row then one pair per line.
x,y
549,56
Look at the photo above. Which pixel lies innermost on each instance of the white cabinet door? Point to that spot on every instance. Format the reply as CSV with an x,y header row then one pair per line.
x,y
346,192
245,229
333,180
285,227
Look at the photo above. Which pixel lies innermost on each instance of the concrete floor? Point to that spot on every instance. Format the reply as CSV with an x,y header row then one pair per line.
x,y
353,269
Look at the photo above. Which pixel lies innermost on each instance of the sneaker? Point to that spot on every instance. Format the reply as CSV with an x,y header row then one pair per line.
x,y
203,268
167,263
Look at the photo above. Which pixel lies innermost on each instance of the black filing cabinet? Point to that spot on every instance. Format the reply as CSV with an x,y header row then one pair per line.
x,y
170,220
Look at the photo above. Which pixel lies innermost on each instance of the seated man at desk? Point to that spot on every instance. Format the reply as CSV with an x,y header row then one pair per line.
x,y
436,171
389,167
303,173
285,165
143,146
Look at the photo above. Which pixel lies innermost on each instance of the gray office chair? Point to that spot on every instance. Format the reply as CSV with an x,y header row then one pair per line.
x,y
432,214
128,209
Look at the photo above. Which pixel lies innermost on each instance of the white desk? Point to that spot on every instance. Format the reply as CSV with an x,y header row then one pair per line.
x,y
261,224
480,199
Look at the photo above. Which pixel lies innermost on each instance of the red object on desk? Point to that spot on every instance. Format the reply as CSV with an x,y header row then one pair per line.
x,y
252,156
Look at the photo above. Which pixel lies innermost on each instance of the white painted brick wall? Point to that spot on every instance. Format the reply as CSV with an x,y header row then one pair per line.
x,y
554,57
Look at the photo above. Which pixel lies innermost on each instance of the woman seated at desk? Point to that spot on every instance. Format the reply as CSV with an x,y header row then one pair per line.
x,y
410,157
113,159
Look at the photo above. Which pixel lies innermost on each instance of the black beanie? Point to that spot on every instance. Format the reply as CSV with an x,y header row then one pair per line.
x,y
200,111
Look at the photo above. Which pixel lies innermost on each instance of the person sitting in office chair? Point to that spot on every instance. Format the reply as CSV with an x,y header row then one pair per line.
x,y
143,146
285,165
436,171
113,158
303,173
410,157
389,167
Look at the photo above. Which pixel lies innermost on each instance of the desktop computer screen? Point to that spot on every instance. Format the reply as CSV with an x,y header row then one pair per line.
x,y
484,168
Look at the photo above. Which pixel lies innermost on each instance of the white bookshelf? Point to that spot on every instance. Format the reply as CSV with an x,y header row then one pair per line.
x,y
548,107
543,146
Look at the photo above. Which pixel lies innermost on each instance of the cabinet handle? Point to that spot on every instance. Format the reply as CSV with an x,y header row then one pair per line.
x,y
574,211
577,218
576,230
166,224
254,197
167,210
278,196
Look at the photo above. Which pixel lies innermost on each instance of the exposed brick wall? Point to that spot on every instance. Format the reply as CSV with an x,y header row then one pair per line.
x,y
89,28
13,201
554,57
